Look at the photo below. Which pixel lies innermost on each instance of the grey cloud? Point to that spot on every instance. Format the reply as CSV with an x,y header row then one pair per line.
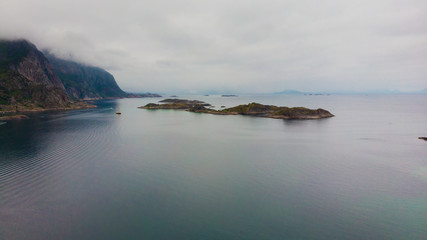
x,y
240,45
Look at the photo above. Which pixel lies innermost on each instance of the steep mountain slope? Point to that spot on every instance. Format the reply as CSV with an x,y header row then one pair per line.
x,y
27,80
85,82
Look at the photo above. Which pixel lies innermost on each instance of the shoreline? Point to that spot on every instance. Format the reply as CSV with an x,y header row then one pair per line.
x,y
12,115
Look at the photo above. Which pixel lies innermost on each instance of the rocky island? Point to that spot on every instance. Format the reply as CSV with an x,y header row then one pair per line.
x,y
251,109
182,104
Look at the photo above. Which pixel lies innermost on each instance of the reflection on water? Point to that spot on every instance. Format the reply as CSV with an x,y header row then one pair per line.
x,y
19,137
27,137
92,174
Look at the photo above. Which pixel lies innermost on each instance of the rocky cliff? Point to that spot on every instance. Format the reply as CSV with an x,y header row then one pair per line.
x,y
85,82
27,80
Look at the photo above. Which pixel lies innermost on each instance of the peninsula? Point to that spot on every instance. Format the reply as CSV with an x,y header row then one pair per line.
x,y
251,109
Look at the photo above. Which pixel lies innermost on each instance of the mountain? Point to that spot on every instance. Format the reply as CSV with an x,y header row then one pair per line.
x,y
27,80
85,82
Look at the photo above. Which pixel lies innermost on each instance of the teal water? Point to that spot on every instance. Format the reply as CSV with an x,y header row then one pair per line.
x,y
165,174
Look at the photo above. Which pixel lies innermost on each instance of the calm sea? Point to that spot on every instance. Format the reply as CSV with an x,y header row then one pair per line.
x,y
164,174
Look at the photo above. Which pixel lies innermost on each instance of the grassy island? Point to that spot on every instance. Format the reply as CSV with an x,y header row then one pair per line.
x,y
251,109
175,104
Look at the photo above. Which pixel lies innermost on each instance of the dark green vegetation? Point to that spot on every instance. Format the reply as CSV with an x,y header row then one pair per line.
x,y
252,109
85,82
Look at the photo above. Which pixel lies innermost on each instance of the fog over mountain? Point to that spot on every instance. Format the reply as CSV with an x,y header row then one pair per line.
x,y
234,46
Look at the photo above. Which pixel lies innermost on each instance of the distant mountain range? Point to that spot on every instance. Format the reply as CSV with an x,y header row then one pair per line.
x,y
32,80
375,91
296,92
289,92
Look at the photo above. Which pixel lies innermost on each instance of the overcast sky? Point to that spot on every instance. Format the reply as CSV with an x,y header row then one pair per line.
x,y
234,46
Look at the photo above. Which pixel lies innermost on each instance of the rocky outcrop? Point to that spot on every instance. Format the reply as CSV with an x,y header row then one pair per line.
x,y
27,80
85,82
252,109
37,69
